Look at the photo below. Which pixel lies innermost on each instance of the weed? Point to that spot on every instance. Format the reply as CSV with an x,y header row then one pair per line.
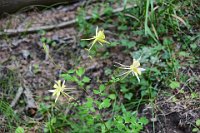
x,y
197,126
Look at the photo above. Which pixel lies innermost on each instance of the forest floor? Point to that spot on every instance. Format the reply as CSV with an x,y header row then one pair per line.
x,y
168,94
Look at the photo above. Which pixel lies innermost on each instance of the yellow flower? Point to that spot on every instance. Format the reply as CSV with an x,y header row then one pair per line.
x,y
59,89
100,38
134,69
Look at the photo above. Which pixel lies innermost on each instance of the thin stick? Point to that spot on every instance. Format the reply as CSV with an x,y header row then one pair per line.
x,y
12,32
15,100
31,107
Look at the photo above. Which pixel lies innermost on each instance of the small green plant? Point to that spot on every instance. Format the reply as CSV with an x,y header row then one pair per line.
x,y
197,126
50,126
76,76
174,84
11,117
93,121
19,130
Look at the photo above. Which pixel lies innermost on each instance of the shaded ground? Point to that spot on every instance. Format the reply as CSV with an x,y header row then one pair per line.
x,y
24,55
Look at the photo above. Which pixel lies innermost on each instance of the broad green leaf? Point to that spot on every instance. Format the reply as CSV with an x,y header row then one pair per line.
x,y
174,84
71,71
105,104
86,79
80,71
128,43
198,122
195,130
128,96
67,77
112,96
19,130
96,92
184,54
143,120
102,87
89,103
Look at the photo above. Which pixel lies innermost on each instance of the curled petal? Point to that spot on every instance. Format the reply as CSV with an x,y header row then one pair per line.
x,y
136,63
63,85
103,41
51,91
137,77
58,82
96,30
56,99
141,69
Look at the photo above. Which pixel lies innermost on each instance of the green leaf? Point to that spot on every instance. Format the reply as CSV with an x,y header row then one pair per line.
x,y
128,96
128,43
112,96
198,122
148,31
108,71
108,10
53,120
114,80
102,87
74,78
43,39
19,130
81,84
123,88
184,54
105,104
96,92
143,120
174,84
193,46
195,130
194,95
80,71
127,117
89,103
66,77
86,79
113,44
71,71
167,41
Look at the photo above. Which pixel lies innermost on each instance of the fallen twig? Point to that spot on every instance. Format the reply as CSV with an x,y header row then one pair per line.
x,y
15,100
12,32
31,107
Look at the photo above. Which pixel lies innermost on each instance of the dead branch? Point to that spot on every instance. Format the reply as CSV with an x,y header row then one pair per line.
x,y
12,32
31,107
15,100
11,6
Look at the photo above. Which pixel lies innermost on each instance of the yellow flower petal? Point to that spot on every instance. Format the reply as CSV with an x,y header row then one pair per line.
x,y
136,63
100,38
59,89
55,86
